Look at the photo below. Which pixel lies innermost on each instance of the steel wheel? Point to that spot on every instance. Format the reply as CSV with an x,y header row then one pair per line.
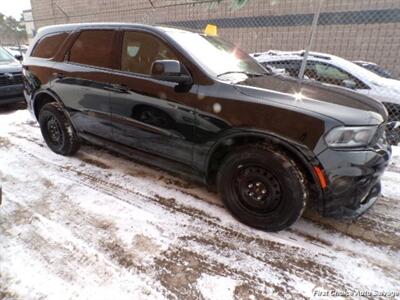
x,y
257,188
54,131
57,131
262,187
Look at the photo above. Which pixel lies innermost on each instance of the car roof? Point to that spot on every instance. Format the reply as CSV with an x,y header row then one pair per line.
x,y
77,26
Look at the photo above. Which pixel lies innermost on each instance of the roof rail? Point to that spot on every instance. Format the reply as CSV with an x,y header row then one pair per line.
x,y
299,53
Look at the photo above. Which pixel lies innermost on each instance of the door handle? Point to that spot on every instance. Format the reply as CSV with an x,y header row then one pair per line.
x,y
58,75
121,88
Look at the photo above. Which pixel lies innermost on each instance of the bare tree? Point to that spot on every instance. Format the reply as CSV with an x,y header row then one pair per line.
x,y
11,30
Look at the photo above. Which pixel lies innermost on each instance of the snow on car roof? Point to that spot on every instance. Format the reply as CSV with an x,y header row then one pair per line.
x,y
294,54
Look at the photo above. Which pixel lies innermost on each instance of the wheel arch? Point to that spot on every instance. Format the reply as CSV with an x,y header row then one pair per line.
x,y
42,98
299,153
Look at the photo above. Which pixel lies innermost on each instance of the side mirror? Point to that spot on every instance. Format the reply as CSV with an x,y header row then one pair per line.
x,y
349,84
18,57
170,70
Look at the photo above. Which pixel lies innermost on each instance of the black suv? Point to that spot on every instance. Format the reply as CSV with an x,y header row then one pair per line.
x,y
196,105
11,86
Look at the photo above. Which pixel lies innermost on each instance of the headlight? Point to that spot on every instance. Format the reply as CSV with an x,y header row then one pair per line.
x,y
350,136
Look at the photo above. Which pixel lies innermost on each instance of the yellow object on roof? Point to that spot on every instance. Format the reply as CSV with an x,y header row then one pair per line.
x,y
211,30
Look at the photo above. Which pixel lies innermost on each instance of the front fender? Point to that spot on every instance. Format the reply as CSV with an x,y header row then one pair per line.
x,y
305,157
273,138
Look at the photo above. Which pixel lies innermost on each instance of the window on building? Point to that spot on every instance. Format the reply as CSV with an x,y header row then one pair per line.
x,y
94,48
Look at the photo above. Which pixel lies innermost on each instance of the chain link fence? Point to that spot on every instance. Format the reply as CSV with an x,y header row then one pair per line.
x,y
352,44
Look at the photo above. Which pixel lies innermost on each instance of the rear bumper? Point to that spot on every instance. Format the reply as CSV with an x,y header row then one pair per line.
x,y
353,180
29,104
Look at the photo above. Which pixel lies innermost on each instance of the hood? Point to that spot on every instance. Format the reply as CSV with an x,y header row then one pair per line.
x,y
12,67
392,85
338,103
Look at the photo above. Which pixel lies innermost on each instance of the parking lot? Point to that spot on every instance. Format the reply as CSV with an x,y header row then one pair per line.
x,y
99,225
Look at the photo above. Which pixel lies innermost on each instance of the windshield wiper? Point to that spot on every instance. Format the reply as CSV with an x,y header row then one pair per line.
x,y
243,72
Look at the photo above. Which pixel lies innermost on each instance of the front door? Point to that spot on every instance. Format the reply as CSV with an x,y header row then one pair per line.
x,y
149,114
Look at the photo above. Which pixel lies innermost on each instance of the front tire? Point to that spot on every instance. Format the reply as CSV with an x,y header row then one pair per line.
x,y
393,135
57,131
262,187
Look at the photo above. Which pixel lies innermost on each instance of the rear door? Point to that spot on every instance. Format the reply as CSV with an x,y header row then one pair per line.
x,y
38,64
82,81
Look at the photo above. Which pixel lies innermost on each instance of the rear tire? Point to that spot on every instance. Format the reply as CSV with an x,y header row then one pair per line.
x,y
262,187
57,131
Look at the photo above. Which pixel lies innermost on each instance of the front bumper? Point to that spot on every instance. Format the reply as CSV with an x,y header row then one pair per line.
x,y
353,180
11,94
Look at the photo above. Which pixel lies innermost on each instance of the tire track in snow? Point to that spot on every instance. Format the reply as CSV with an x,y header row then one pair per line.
x,y
123,193
379,225
202,238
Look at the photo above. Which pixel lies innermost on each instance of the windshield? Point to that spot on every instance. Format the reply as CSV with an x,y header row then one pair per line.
x,y
358,71
217,56
5,57
377,70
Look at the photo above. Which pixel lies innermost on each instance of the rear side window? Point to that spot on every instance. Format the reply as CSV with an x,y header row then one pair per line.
x,y
47,46
93,47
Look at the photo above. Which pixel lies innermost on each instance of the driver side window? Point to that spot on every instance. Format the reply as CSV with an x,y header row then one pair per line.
x,y
140,50
330,74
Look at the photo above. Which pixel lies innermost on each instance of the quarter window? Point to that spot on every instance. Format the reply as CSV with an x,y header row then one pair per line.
x,y
140,50
94,48
48,45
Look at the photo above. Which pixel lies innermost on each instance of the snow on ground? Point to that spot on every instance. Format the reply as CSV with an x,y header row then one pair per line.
x,y
100,226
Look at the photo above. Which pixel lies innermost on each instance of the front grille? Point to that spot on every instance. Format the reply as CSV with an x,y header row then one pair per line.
x,y
10,78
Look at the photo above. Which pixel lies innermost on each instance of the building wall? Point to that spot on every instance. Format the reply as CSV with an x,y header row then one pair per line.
x,y
355,29
29,24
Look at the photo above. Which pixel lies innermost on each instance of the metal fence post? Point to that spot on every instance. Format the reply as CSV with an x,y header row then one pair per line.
x,y
311,41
